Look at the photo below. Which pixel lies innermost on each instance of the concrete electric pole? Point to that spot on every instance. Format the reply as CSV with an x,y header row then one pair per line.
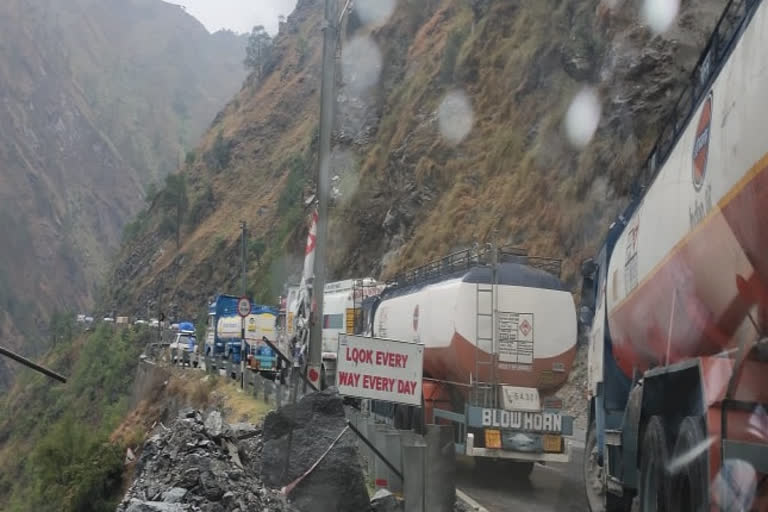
x,y
327,104
245,294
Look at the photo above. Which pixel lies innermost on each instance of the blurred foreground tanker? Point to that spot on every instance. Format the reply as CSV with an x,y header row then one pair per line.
x,y
676,301
499,332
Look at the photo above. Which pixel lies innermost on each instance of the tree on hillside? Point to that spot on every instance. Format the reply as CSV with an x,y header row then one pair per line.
x,y
150,192
62,327
256,248
258,51
175,201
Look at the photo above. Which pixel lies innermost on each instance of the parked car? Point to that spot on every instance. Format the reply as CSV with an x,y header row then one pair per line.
x,y
185,341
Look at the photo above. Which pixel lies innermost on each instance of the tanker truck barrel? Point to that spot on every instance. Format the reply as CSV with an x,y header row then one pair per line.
x,y
675,302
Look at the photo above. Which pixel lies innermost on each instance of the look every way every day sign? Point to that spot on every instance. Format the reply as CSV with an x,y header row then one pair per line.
x,y
380,369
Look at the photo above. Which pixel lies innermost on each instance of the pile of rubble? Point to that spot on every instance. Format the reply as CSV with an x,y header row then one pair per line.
x,y
305,459
202,465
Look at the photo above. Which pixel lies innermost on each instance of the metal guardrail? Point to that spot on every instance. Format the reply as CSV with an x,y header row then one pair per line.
x,y
273,391
469,258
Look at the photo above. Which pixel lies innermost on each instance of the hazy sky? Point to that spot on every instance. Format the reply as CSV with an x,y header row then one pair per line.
x,y
238,15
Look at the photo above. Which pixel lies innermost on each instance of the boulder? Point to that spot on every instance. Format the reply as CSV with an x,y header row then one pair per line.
x,y
296,436
174,495
154,506
214,425
385,501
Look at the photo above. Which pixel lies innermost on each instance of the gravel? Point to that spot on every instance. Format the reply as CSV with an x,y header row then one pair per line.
x,y
200,465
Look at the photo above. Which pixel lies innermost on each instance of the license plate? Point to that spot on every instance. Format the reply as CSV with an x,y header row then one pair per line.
x,y
492,438
552,443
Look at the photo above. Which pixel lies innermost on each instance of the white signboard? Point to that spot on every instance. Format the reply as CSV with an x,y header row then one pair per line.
x,y
259,326
380,369
230,327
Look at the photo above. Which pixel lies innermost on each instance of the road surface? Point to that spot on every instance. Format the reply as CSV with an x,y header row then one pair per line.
x,y
551,488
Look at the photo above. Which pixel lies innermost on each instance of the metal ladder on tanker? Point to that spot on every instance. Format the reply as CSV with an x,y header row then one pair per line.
x,y
485,392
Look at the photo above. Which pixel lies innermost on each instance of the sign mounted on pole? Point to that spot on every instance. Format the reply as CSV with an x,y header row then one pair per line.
x,y
243,307
380,369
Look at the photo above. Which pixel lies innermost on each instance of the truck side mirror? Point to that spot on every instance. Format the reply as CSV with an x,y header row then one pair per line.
x,y
588,268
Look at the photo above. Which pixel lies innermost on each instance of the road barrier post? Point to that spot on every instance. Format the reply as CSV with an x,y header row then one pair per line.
x,y
392,452
257,387
440,474
382,474
413,457
355,419
407,437
370,432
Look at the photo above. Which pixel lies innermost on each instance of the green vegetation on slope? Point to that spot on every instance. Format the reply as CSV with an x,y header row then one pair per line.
x,y
271,270
55,453
99,98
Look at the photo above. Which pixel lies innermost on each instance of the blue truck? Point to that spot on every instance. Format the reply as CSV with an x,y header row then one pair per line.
x,y
222,307
223,337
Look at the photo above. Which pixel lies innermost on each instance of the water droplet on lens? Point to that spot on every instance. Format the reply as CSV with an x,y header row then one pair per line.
x,y
582,117
455,116
735,485
374,11
659,15
360,64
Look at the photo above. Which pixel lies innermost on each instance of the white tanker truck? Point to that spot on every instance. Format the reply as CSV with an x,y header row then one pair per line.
x,y
499,339
676,300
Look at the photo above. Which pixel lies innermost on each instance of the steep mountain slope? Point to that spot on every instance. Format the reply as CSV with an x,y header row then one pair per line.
x,y
449,132
97,98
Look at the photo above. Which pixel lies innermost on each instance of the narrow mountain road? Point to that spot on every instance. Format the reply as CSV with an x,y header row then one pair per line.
x,y
551,488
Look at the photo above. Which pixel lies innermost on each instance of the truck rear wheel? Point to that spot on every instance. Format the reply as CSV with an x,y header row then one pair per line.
x,y
654,460
689,482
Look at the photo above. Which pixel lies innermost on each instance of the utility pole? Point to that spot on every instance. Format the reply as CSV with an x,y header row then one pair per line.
x,y
245,294
243,235
327,104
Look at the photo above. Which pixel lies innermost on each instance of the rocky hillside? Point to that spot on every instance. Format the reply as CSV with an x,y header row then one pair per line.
x,y
451,129
97,99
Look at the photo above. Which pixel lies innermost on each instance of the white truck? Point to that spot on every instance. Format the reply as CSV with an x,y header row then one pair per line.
x,y
342,313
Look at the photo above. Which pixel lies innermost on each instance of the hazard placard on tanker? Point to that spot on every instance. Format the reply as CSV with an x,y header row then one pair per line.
x,y
515,337
380,369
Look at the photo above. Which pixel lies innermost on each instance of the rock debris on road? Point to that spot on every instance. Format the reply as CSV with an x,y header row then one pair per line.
x,y
201,465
